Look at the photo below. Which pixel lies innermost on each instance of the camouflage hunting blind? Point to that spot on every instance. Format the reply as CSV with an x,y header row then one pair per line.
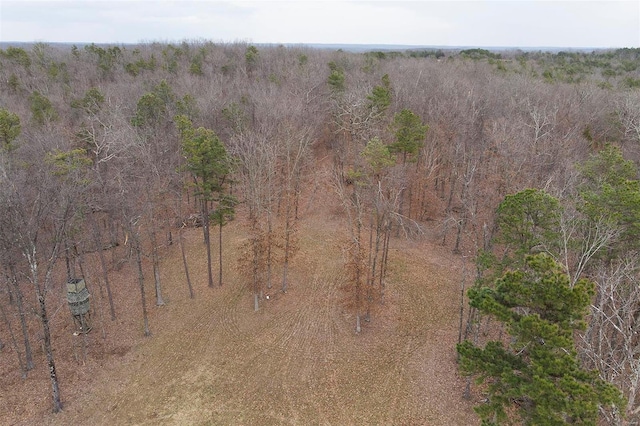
x,y
78,298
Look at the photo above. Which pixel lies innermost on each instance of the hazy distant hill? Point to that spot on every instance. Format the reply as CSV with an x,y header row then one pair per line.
x,y
354,48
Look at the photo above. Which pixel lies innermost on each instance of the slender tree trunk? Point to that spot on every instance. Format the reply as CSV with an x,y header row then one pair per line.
x,y
137,249
10,291
376,252
14,342
255,263
370,271
358,296
296,199
113,235
103,263
256,305
44,319
23,319
462,291
155,258
460,224
30,253
184,263
156,267
287,232
422,196
358,247
207,240
402,190
452,182
385,258
220,254
53,375
96,308
410,197
70,274
358,289
269,244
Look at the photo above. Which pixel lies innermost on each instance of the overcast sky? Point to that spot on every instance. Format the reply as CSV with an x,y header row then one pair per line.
x,y
507,23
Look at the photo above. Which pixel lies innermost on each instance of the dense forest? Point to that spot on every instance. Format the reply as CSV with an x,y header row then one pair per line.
x,y
524,165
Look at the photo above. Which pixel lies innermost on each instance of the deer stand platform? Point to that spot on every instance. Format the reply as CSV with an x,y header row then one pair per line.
x,y
78,298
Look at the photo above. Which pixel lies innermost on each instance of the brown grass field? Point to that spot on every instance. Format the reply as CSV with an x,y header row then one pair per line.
x,y
297,361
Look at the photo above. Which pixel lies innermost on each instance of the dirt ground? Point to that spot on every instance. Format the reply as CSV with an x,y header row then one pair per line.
x,y
297,361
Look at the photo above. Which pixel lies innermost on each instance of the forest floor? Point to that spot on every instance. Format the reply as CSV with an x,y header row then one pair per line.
x,y
296,361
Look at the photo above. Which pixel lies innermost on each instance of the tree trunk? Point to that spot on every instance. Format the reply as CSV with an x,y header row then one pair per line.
x,y
103,263
459,228
453,178
156,266
185,264
370,271
296,199
113,235
255,265
400,210
287,232
358,275
30,253
385,258
220,254
462,293
70,273
376,252
207,239
137,249
269,245
55,387
422,205
23,320
14,342
96,308
44,319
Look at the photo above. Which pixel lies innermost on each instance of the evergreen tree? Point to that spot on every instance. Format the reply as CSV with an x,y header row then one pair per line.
x,y
380,97
610,192
528,222
336,78
9,129
223,214
536,376
208,162
251,57
409,134
42,109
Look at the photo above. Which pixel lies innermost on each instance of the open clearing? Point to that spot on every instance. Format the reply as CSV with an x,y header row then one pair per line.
x,y
297,361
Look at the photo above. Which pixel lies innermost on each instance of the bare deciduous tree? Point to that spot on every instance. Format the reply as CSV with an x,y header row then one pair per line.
x,y
611,343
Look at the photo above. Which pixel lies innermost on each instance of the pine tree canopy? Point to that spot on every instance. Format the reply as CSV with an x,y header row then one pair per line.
x,y
536,374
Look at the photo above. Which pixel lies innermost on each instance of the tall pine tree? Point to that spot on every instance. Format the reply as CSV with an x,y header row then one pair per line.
x,y
536,376
210,166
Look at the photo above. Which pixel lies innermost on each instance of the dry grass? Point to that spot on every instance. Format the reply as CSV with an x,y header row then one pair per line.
x,y
298,361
